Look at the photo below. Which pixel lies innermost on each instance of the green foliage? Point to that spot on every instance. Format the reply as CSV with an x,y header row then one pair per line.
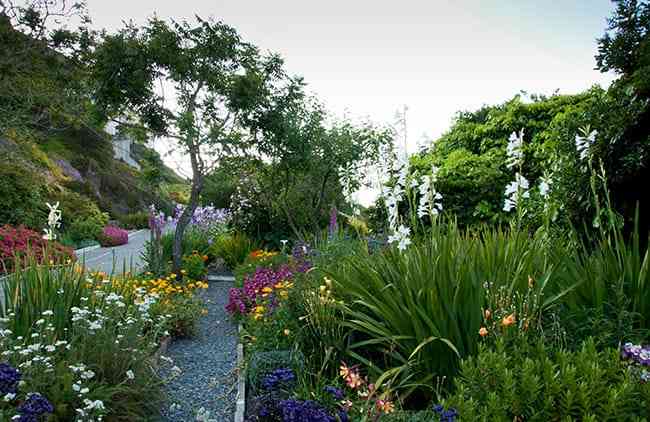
x,y
542,385
193,240
136,220
423,307
22,196
471,155
81,229
233,248
194,266
625,46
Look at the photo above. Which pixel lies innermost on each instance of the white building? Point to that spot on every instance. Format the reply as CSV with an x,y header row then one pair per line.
x,y
121,145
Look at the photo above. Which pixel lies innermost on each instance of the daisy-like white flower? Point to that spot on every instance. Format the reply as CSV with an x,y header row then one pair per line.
x,y
130,375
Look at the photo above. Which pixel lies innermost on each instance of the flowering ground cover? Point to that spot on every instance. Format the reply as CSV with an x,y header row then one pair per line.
x,y
62,329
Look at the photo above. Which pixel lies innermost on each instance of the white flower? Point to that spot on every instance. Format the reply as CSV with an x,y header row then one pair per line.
x,y
513,149
47,313
9,397
86,375
130,375
544,187
583,143
514,191
401,237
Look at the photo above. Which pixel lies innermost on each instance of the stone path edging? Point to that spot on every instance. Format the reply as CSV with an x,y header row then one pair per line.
x,y
240,408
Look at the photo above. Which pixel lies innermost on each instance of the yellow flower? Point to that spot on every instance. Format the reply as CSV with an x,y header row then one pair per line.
x,y
183,272
267,290
287,331
204,312
284,294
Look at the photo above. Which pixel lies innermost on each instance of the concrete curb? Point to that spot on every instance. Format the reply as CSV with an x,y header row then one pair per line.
x,y
86,249
138,231
240,409
221,278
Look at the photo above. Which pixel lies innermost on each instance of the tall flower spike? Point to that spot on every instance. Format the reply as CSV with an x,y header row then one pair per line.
x,y
584,143
513,149
516,190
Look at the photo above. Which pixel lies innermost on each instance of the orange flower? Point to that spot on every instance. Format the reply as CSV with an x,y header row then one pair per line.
x,y
385,406
488,314
353,380
483,332
509,320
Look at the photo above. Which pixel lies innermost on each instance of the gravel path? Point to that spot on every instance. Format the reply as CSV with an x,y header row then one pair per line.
x,y
207,377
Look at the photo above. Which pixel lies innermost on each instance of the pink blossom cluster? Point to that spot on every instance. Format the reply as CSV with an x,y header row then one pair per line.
x,y
242,300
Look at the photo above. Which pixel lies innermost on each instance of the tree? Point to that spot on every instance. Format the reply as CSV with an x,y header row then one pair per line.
x,y
42,70
228,98
625,46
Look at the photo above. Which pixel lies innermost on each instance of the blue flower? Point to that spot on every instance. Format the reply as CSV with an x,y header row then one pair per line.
x,y
35,405
9,378
281,377
438,408
337,393
304,411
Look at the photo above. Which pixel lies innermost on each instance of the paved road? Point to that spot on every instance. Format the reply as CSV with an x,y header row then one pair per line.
x,y
109,259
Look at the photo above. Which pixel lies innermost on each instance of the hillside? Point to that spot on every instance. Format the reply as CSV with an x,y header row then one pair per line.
x,y
76,168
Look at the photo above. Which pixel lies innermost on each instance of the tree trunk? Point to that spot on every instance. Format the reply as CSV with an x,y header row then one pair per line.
x,y
186,216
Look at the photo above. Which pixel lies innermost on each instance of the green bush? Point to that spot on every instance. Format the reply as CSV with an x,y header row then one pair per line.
x,y
193,240
194,266
233,248
21,196
543,385
81,229
134,221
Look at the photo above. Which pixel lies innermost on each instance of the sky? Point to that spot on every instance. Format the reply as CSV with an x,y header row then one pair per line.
x,y
368,59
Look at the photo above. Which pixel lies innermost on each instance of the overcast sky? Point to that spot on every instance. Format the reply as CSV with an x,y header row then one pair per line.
x,y
370,58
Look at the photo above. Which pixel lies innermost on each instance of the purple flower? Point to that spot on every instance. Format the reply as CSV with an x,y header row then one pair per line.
x,y
337,393
304,411
9,378
279,378
35,405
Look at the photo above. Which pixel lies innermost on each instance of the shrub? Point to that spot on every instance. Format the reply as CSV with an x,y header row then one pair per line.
x,y
233,248
80,230
194,266
539,384
113,236
193,240
78,207
18,242
22,195
134,221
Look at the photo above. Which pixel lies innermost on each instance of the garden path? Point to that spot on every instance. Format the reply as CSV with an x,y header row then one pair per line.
x,y
105,259
205,373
